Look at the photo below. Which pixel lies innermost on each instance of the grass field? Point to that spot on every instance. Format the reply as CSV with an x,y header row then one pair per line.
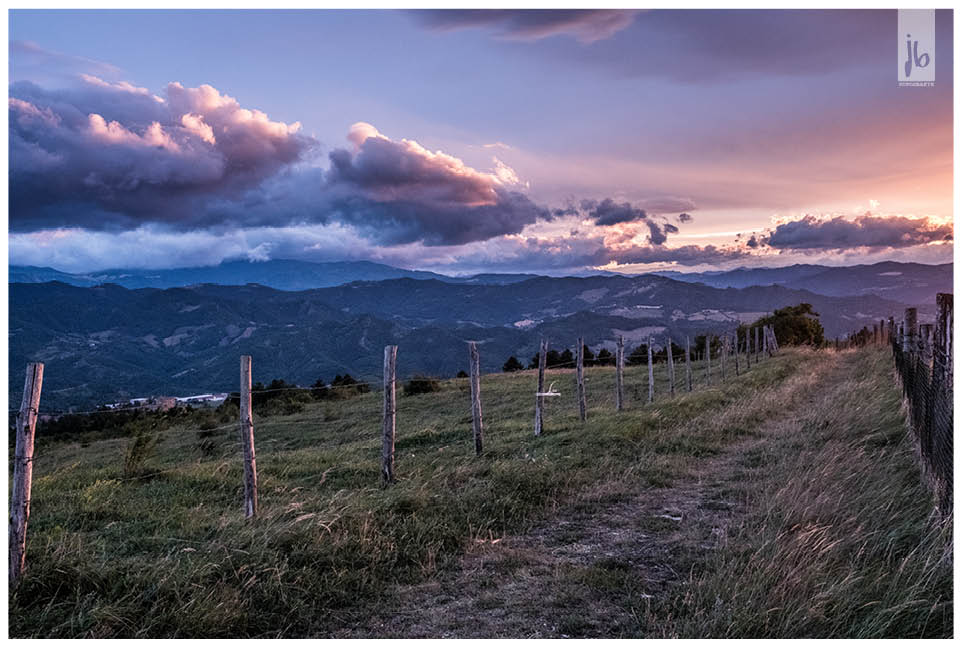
x,y
784,502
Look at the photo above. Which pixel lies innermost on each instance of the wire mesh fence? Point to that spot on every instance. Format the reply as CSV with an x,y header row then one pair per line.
x,y
923,361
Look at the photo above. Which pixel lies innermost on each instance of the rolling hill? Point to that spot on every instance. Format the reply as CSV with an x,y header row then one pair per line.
x,y
108,343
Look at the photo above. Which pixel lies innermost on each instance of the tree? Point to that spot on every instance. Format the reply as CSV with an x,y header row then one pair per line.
x,y
462,374
638,356
320,389
567,359
589,358
795,325
605,358
512,365
553,360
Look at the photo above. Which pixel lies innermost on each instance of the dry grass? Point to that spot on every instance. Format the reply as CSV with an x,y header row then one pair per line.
x,y
169,554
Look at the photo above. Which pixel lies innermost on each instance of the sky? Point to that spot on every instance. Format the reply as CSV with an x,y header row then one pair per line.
x,y
467,141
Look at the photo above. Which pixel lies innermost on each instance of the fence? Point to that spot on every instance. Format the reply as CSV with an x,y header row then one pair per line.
x,y
923,362
697,367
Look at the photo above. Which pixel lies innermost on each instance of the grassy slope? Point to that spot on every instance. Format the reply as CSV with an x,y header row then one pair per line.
x,y
172,555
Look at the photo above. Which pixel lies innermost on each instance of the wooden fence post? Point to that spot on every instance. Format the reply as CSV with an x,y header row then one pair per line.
x,y
247,438
943,337
748,348
708,355
620,374
582,399
390,414
756,343
688,363
723,350
735,347
925,342
23,470
539,398
671,369
911,330
476,396
651,374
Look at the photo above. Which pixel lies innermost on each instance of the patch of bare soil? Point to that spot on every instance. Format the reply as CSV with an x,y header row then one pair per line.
x,y
593,570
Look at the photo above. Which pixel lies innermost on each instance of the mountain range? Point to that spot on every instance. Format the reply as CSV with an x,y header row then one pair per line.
x,y
287,275
905,282
109,342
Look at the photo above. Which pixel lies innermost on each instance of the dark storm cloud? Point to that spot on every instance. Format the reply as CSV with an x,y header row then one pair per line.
x,y
607,212
537,254
587,25
709,45
396,192
866,231
114,156
107,155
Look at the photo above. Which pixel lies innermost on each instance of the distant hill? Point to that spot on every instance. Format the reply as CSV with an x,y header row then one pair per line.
x,y
286,275
902,282
108,343
905,282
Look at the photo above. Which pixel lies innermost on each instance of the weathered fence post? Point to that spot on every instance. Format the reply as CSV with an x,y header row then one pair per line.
x,y
23,470
620,374
756,344
708,355
539,398
748,348
247,438
943,338
671,369
911,330
582,399
476,396
734,348
688,362
390,414
651,374
925,342
723,350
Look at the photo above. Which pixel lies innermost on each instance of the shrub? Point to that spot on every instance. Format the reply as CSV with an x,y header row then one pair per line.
x,y
511,365
138,453
421,384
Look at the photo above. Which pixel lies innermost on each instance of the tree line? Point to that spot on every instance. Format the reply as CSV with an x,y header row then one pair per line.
x,y
794,325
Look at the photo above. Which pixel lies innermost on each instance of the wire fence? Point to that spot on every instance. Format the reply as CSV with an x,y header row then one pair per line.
x,y
923,360
923,363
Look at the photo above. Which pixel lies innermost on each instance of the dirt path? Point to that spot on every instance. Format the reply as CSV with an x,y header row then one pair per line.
x,y
591,570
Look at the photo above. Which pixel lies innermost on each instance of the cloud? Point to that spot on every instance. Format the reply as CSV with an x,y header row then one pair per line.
x,y
586,25
812,233
28,60
114,155
664,204
714,45
684,217
396,192
608,212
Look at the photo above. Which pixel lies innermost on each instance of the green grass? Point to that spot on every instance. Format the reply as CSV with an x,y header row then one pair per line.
x,y
840,539
168,553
